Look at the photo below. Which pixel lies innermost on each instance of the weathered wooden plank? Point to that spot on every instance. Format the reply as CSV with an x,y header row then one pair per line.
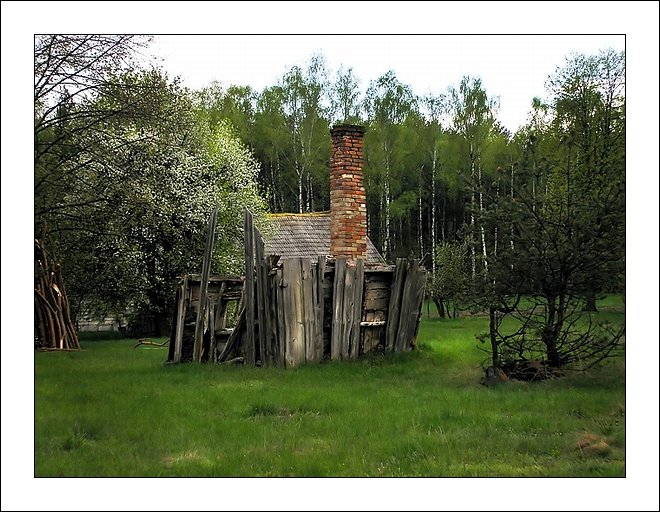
x,y
215,311
206,272
355,312
375,294
337,334
294,311
260,279
419,298
249,287
375,269
412,299
380,283
272,339
280,304
221,314
319,308
348,306
175,345
394,308
234,337
380,303
309,313
403,332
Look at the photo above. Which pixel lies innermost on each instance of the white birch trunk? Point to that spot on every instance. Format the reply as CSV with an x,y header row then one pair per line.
x,y
419,218
433,242
481,228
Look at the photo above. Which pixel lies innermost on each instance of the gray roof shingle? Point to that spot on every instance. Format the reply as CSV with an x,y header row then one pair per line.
x,y
307,235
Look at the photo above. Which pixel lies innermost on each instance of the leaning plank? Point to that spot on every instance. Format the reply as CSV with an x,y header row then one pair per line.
x,y
180,320
234,337
337,309
413,293
206,271
249,287
419,297
394,308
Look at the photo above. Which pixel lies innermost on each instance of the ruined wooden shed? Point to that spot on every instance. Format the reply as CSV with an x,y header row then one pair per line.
x,y
316,290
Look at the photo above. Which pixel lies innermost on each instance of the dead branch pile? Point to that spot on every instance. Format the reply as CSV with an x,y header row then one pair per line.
x,y
54,328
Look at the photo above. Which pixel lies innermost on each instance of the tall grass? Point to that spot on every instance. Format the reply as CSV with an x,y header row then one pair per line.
x,y
112,410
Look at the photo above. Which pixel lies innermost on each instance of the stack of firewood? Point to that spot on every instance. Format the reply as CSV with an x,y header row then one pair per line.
x,y
54,329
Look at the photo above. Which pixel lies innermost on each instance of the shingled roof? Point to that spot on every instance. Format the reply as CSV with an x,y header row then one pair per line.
x,y
306,235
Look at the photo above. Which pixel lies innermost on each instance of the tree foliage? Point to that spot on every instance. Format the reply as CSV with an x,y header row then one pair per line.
x,y
126,174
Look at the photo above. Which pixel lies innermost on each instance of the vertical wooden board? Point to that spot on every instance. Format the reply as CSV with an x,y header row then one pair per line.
x,y
260,279
210,356
394,308
408,305
311,354
204,283
319,307
356,312
216,316
175,320
287,311
419,291
337,309
309,313
347,313
297,312
271,313
180,319
280,309
249,286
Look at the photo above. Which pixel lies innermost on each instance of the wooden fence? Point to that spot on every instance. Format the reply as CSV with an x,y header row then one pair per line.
x,y
293,311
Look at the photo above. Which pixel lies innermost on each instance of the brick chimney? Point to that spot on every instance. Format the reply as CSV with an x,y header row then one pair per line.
x,y
348,207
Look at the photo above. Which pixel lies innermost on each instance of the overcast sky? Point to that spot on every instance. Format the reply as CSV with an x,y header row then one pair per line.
x,y
512,67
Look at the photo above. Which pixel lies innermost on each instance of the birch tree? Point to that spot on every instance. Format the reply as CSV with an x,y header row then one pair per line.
x,y
473,119
387,104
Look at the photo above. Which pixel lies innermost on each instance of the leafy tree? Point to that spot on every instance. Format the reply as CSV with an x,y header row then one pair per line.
x,y
69,71
388,104
449,283
272,147
565,218
125,179
345,97
304,94
473,120
589,119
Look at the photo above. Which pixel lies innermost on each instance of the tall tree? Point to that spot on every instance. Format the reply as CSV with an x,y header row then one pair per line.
x,y
589,113
305,109
473,119
68,72
387,104
345,97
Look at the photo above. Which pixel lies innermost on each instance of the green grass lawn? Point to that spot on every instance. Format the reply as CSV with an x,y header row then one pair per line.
x,y
112,410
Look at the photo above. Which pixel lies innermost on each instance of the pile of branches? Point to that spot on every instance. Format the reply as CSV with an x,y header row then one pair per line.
x,y
54,329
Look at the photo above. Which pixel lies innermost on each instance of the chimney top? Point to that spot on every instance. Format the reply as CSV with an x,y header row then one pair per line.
x,y
348,128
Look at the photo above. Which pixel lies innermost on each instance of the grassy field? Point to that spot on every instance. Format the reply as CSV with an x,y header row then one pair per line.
x,y
112,410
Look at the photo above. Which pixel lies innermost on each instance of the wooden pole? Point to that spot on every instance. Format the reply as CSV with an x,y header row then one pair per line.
x,y
203,288
249,286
